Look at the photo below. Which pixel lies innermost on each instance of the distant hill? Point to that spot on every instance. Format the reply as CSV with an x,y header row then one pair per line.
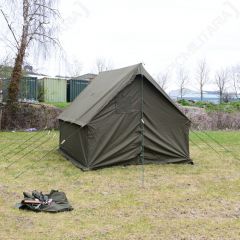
x,y
188,94
186,91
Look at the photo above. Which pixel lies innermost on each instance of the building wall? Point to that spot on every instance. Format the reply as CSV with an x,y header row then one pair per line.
x,y
28,88
54,90
75,87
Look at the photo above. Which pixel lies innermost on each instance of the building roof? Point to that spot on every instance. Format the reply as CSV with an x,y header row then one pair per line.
x,y
88,76
102,90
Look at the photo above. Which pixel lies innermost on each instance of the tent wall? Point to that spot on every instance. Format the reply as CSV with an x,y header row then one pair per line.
x,y
113,135
75,145
166,130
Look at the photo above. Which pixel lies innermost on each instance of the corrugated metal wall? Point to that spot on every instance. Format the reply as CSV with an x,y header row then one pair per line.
x,y
28,88
75,87
52,90
1,90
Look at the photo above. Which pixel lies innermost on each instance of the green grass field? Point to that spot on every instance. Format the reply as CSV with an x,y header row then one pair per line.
x,y
61,105
200,201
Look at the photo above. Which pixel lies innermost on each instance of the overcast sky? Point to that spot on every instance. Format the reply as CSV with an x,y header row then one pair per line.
x,y
162,34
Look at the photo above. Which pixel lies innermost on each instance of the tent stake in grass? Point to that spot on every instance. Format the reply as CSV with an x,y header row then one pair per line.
x,y
14,154
206,143
219,144
41,143
27,168
195,144
54,148
33,136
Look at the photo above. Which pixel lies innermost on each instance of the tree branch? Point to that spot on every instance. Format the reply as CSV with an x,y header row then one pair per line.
x,y
33,14
55,11
35,32
47,37
10,28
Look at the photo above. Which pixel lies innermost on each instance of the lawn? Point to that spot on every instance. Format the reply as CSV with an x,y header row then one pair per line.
x,y
200,201
61,105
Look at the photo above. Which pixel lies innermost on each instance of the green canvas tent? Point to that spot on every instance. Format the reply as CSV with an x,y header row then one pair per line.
x,y
123,117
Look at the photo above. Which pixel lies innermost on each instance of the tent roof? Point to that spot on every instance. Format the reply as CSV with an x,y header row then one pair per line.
x,y
102,90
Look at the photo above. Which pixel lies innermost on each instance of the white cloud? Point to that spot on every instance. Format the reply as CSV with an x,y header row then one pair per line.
x,y
155,32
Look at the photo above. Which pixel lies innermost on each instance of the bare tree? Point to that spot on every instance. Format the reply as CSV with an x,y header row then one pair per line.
x,y
183,80
162,80
75,68
221,80
235,79
36,21
202,75
103,65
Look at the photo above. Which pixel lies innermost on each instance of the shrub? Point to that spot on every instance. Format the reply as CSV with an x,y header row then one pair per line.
x,y
229,107
184,102
29,115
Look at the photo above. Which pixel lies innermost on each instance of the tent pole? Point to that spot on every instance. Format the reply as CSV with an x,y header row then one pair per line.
x,y
142,128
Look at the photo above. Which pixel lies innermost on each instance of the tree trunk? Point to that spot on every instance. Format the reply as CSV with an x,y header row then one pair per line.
x,y
220,96
17,69
13,89
15,79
